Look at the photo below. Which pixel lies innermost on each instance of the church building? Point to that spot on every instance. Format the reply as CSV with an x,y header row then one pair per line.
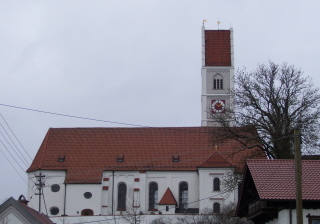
x,y
152,170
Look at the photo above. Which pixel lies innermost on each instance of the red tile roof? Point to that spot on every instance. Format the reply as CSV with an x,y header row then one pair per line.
x,y
217,48
215,160
42,218
168,198
275,179
90,151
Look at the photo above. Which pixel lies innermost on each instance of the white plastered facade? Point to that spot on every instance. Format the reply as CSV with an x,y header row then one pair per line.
x,y
70,198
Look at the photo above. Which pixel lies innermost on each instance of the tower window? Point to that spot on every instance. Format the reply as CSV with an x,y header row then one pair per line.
x,y
218,82
216,184
216,207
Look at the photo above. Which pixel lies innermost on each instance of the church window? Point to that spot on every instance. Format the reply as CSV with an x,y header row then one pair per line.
x,y
87,195
183,196
216,207
55,187
153,196
122,196
218,82
216,184
54,210
86,212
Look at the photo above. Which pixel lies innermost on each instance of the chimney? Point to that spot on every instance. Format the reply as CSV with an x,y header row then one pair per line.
x,y
22,199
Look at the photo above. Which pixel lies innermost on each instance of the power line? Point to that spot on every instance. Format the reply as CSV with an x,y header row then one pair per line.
x,y
15,168
100,120
12,155
25,162
72,116
15,137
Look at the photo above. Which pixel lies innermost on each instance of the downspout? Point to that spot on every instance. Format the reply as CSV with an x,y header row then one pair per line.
x,y
112,190
65,199
290,213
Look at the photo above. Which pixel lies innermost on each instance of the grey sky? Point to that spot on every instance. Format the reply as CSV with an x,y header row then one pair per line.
x,y
134,62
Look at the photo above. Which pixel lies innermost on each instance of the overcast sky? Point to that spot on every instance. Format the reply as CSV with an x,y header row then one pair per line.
x,y
135,62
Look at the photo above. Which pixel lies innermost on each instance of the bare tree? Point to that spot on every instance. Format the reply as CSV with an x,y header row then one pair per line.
x,y
132,213
162,220
269,103
226,216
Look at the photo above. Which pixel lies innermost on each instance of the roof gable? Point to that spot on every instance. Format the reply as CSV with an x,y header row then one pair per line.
x,y
29,214
168,198
215,161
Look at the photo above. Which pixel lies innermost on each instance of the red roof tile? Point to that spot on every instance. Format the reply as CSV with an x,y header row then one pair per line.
x,y
217,48
275,179
42,218
215,160
90,151
168,198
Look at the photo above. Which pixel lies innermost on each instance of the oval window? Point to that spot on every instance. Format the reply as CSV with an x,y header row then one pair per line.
x,y
55,187
87,195
54,210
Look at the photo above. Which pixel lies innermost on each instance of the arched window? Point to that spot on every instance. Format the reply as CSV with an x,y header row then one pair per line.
x,y
122,196
183,196
218,82
86,212
216,184
153,196
216,207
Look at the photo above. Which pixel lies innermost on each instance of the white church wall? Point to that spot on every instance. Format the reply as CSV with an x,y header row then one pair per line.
x,y
49,198
142,180
104,198
76,200
208,195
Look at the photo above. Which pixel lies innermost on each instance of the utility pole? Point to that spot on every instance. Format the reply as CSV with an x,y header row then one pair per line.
x,y
298,172
39,185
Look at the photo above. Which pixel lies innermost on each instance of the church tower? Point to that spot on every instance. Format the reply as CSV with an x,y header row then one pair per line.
x,y
217,74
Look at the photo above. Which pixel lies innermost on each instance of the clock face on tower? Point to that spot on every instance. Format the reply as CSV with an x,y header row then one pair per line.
x,y
218,106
